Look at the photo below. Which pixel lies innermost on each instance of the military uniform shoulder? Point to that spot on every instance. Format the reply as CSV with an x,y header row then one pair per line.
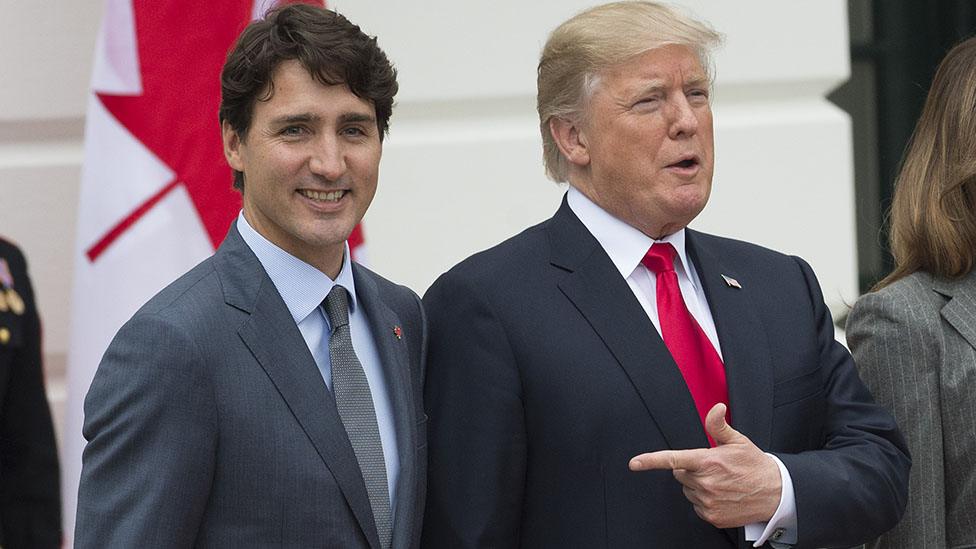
x,y
10,251
16,298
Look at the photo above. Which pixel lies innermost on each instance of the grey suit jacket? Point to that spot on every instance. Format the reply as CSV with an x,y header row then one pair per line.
x,y
209,424
914,343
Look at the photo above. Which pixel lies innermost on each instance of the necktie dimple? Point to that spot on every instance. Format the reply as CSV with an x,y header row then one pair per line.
x,y
691,349
355,405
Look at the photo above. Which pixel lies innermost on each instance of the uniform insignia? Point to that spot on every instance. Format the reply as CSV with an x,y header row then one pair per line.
x,y
10,300
14,301
6,279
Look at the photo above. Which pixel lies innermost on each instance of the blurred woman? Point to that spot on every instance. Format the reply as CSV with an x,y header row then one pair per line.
x,y
914,336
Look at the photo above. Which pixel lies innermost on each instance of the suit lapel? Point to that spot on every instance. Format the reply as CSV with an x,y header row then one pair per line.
x,y
273,338
960,311
745,350
396,370
605,300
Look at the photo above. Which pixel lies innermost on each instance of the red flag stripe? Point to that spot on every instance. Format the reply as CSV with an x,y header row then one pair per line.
x,y
115,232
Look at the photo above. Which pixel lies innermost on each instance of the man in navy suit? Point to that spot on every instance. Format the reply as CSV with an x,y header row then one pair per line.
x,y
611,378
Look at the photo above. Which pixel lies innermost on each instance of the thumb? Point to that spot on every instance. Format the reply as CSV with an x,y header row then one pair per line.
x,y
720,431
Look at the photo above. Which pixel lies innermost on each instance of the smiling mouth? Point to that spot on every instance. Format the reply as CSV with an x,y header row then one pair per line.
x,y
323,196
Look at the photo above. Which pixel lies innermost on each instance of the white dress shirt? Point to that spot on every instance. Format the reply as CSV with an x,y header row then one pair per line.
x,y
626,247
303,288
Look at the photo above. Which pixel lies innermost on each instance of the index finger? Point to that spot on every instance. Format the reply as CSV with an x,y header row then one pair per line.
x,y
688,460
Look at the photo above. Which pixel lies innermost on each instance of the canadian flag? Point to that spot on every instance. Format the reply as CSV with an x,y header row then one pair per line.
x,y
156,195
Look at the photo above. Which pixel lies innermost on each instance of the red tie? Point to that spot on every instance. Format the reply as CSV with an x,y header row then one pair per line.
x,y
700,365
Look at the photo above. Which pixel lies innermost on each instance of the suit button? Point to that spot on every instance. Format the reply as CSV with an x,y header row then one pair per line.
x,y
4,336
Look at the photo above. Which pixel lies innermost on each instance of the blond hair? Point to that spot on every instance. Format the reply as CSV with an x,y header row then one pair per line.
x,y
933,226
580,49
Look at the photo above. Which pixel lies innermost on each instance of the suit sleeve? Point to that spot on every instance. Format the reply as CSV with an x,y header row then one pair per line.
x,y
30,502
854,487
151,428
474,399
897,352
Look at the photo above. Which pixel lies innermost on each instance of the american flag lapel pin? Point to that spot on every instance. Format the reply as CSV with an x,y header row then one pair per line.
x,y
732,283
398,331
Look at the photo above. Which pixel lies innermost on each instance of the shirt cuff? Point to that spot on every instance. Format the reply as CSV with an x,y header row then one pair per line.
x,y
780,531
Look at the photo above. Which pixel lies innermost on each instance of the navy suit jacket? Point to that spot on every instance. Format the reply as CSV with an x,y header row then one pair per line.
x,y
209,424
545,377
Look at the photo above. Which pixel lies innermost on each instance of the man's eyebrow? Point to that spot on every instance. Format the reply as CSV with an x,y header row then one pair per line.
x,y
352,117
310,118
295,119
650,86
658,84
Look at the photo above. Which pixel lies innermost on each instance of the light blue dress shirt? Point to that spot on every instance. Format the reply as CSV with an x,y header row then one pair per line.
x,y
303,288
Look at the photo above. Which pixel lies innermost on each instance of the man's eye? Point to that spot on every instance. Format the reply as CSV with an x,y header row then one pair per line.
x,y
291,131
353,131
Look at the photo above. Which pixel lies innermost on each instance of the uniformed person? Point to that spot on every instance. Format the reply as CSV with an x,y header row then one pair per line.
x,y
30,502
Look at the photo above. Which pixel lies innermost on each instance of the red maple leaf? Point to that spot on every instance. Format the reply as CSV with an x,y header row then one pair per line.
x,y
182,47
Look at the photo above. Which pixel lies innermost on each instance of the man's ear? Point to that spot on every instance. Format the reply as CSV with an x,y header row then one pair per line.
x,y
232,146
570,140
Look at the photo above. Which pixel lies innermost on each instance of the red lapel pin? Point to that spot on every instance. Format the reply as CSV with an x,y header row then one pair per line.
x,y
398,332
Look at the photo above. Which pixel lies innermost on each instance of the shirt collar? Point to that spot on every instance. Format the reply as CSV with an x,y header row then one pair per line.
x,y
301,286
625,244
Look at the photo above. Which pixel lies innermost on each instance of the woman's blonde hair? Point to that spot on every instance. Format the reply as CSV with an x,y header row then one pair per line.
x,y
580,49
932,220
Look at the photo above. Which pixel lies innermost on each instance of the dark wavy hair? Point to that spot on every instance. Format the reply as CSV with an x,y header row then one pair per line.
x,y
334,51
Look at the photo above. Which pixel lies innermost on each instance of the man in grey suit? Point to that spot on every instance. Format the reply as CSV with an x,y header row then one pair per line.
x,y
271,396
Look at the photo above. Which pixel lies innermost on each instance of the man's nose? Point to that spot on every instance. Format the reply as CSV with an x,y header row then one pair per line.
x,y
327,159
684,121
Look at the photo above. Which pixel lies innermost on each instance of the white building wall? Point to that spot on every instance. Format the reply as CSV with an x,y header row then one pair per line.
x,y
462,168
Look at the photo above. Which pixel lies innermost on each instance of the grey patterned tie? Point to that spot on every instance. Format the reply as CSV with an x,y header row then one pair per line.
x,y
355,404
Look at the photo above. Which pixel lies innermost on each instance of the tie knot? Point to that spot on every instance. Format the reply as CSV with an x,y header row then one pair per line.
x,y
660,258
337,306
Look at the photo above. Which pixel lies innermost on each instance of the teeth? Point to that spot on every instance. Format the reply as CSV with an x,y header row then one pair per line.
x,y
331,196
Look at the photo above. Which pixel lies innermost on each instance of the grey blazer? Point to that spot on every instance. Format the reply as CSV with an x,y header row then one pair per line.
x,y
209,425
914,344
